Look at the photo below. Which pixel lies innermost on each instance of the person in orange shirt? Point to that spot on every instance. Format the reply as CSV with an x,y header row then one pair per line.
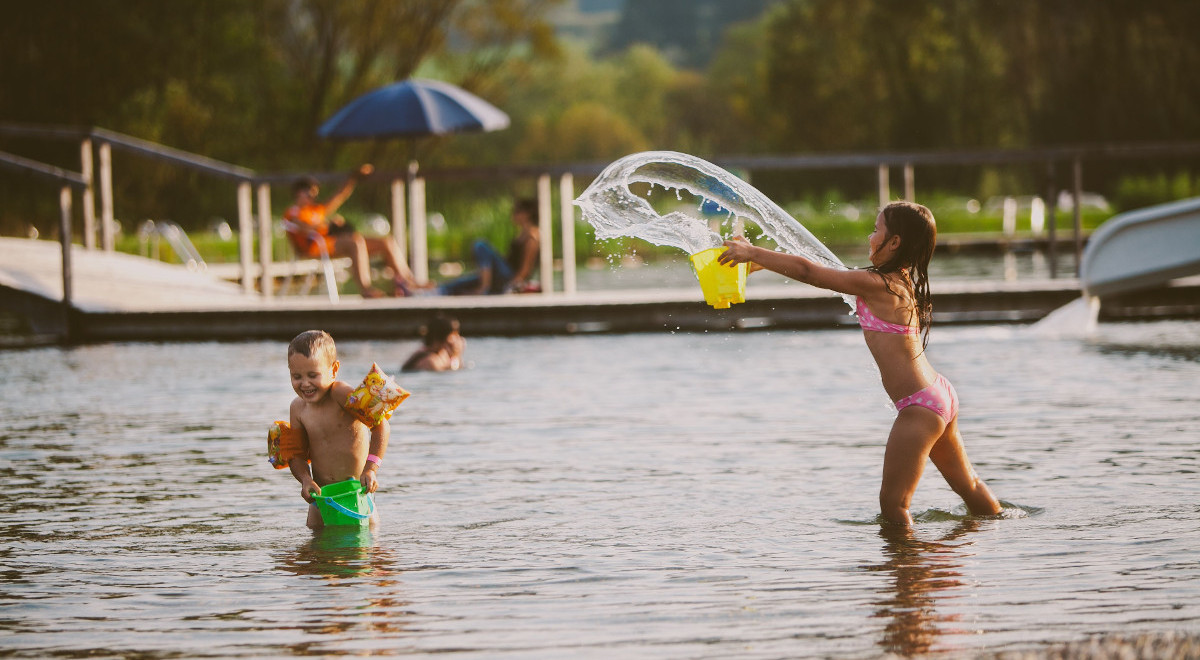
x,y
314,227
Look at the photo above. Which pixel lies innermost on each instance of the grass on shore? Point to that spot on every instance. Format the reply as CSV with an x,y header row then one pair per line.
x,y
836,225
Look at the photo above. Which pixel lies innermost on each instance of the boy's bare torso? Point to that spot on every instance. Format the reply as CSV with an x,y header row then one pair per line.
x,y
337,442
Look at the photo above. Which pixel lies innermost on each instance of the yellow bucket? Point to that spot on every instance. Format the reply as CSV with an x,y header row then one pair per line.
x,y
722,285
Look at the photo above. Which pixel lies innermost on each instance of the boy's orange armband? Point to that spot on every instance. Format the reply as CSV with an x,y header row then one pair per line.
x,y
374,400
284,444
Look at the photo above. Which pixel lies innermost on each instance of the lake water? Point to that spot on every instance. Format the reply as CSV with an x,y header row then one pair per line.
x,y
660,495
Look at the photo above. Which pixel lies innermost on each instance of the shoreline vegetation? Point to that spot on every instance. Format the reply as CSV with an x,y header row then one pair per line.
x,y
841,226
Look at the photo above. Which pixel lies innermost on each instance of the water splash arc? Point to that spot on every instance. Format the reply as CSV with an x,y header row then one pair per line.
x,y
615,211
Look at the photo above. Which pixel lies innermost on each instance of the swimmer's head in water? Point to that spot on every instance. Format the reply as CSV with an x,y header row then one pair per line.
x,y
438,330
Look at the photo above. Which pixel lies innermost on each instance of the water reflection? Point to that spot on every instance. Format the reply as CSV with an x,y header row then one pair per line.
x,y
924,574
371,609
339,552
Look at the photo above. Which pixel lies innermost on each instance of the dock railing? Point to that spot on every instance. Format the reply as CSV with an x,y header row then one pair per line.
x,y
66,180
104,141
408,217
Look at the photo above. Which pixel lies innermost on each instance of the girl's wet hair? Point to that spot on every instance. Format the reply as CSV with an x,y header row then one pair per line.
x,y
915,226
314,344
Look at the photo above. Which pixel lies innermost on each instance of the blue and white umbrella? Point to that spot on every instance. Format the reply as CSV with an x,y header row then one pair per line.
x,y
411,109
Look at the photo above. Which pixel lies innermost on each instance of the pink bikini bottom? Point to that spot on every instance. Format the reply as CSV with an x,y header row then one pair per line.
x,y
939,397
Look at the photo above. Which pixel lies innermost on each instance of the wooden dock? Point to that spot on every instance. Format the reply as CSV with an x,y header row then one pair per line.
x,y
119,297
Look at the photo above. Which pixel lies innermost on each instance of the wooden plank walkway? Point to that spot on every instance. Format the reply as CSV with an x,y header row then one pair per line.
x,y
119,297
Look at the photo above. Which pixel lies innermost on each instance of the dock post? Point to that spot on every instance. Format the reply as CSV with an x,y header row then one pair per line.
x,y
1008,217
884,193
1051,219
420,239
910,184
265,239
89,200
107,239
64,231
245,234
566,209
1076,199
546,229
399,220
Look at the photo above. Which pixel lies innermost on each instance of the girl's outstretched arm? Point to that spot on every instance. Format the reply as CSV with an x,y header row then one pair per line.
x,y
853,282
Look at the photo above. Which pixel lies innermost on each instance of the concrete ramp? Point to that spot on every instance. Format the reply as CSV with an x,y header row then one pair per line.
x,y
1143,249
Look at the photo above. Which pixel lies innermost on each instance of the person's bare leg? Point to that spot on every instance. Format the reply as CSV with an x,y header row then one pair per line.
x,y
950,456
355,247
913,434
402,274
485,281
314,521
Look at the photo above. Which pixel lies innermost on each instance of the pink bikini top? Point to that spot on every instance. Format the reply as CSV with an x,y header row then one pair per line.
x,y
869,321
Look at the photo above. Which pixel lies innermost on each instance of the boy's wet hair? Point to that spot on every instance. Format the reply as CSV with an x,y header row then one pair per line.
x,y
314,344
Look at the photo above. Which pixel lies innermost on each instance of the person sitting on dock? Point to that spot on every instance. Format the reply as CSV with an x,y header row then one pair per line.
x,y
315,230
496,274
442,347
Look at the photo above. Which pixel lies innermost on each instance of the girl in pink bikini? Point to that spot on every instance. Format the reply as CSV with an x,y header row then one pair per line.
x,y
894,310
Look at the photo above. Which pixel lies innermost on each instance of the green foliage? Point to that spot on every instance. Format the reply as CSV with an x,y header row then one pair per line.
x,y
688,32
1136,192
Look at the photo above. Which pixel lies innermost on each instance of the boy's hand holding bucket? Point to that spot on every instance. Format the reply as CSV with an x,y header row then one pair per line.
x,y
308,489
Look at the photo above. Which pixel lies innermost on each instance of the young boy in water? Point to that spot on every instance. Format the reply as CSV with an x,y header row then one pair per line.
x,y
339,446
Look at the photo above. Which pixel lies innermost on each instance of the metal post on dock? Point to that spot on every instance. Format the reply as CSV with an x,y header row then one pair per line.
x,y
546,229
910,187
108,241
64,231
265,239
245,234
566,209
1051,219
89,203
1076,199
884,192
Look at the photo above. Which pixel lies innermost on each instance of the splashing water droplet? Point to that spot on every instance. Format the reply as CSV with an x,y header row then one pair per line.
x,y
615,211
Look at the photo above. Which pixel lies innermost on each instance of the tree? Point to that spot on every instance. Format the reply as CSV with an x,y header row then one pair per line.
x,y
686,32
245,82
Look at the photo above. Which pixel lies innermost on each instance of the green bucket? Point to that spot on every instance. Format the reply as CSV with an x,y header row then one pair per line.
x,y
344,503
